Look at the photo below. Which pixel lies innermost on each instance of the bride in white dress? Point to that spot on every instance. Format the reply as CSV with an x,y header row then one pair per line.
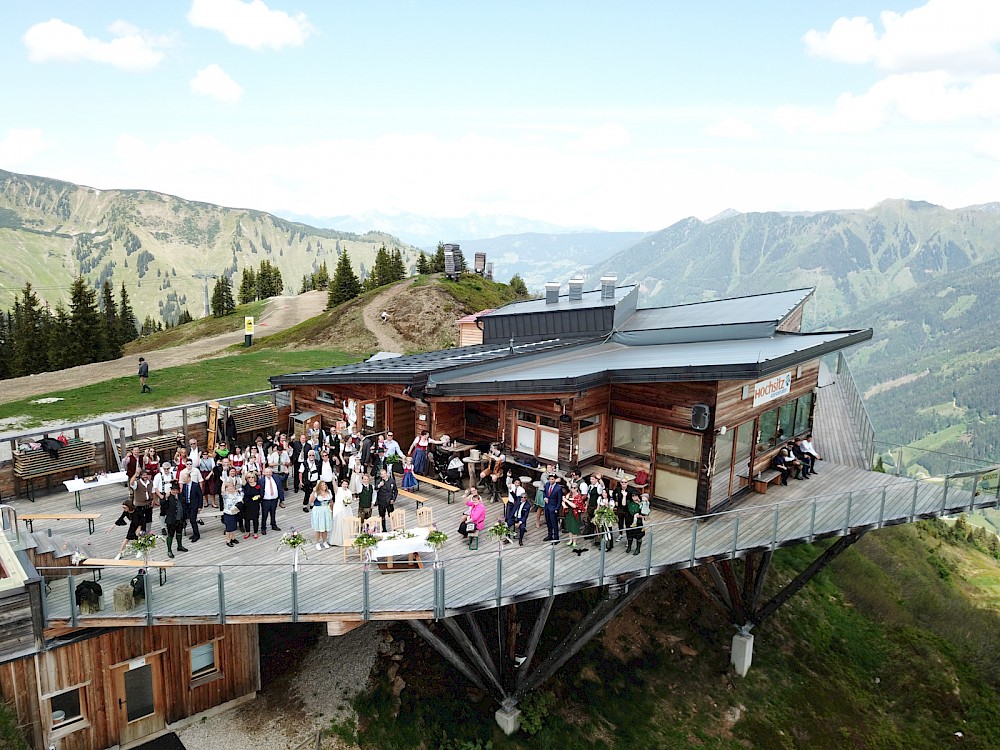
x,y
342,509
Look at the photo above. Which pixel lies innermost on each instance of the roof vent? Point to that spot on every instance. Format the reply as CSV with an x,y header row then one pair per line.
x,y
575,289
608,284
552,293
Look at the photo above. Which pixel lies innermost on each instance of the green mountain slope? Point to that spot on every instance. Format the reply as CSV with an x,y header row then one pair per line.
x,y
156,243
853,256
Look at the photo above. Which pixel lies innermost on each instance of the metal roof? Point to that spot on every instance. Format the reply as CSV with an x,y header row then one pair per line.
x,y
757,308
588,299
596,363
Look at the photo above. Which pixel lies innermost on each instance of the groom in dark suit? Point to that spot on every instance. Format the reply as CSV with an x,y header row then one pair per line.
x,y
192,499
553,494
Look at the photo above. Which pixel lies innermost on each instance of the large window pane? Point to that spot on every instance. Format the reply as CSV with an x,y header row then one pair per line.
x,y
676,488
631,439
768,426
802,414
786,421
65,707
548,444
589,443
525,442
203,659
676,448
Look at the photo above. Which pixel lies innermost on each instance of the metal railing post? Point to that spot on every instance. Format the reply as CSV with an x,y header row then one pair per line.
x,y
649,552
366,612
913,503
975,486
899,461
222,596
847,521
295,596
499,578
694,541
147,588
812,522
774,529
736,534
944,495
552,569
600,569
881,509
71,588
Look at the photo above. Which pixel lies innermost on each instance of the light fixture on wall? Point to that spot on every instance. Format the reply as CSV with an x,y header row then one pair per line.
x,y
723,430
564,417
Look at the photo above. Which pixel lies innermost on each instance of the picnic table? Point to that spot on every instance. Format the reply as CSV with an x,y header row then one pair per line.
x,y
76,486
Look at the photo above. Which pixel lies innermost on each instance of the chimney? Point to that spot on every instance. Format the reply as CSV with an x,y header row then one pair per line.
x,y
608,284
552,293
575,289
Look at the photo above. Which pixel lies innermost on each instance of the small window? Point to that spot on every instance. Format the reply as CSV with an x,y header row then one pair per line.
x,y
66,708
326,397
632,439
549,422
592,421
203,660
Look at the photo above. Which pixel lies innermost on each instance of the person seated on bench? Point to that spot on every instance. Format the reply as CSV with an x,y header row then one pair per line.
x,y
453,474
805,460
809,450
494,461
475,518
782,463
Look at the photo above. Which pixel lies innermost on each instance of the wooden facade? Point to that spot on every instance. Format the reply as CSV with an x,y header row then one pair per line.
x,y
125,684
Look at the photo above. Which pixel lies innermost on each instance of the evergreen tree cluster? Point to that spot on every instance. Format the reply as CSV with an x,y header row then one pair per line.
x,y
318,280
34,338
388,268
263,283
222,297
345,285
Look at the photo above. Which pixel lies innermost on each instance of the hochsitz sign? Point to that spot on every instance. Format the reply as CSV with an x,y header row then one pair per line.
x,y
772,388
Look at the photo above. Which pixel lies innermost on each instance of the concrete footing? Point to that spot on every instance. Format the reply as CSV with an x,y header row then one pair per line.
x,y
509,720
742,655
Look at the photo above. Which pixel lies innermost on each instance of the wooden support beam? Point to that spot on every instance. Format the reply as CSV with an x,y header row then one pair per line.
x,y
758,584
735,595
747,588
477,636
591,624
536,635
720,585
475,657
448,653
715,601
804,577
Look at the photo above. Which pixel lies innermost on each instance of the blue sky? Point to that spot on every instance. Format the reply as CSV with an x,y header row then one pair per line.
x,y
626,115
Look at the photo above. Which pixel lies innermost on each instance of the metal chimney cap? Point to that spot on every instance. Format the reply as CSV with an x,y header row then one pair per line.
x,y
576,280
609,279
551,285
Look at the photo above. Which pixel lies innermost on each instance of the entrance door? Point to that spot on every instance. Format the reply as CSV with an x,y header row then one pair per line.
x,y
140,698
404,414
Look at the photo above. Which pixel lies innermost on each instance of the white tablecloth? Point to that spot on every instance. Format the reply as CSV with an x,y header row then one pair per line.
x,y
402,547
78,485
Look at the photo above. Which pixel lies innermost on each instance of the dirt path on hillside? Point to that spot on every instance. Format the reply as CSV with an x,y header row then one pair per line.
x,y
387,336
280,313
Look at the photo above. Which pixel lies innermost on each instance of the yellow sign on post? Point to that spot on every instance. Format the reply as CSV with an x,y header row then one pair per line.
x,y
248,325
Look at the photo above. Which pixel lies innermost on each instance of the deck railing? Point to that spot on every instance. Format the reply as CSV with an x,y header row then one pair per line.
x,y
857,409
495,576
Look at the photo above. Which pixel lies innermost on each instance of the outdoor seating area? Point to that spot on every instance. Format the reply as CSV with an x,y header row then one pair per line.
x,y
76,456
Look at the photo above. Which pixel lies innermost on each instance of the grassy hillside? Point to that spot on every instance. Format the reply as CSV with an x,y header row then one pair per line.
x,y
155,243
886,649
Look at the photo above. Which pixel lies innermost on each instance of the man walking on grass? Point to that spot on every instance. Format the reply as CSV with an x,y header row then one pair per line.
x,y
144,375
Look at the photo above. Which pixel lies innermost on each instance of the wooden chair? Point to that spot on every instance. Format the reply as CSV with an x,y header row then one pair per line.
x,y
397,520
425,517
352,530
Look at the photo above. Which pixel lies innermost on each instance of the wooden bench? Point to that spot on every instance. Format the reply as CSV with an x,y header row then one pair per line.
x,y
97,563
451,489
30,518
762,479
162,444
255,418
30,465
420,499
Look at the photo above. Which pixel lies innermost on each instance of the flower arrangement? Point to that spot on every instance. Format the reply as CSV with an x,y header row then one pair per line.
x,y
499,531
292,539
401,534
604,517
436,539
365,541
143,544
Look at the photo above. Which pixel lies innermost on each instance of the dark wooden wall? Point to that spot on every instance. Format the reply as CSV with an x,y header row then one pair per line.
x,y
24,680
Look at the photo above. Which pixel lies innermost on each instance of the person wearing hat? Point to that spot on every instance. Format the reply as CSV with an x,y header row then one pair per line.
x,y
144,375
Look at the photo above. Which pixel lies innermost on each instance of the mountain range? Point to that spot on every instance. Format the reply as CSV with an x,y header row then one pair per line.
x,y
159,245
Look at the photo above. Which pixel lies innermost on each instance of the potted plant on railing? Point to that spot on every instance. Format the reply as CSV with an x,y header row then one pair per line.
x,y
436,540
294,541
605,520
143,544
501,532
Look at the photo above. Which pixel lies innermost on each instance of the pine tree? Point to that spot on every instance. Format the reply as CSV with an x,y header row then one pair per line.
x,y
382,273
518,286
184,317
222,297
345,285
248,286
6,346
398,267
306,284
26,331
112,330
321,279
127,330
55,341
85,340
437,262
423,265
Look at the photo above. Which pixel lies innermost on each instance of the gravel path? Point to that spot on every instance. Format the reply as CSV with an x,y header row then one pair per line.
x,y
281,313
385,334
334,672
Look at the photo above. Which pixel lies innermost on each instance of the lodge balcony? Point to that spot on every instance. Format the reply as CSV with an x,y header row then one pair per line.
x,y
255,581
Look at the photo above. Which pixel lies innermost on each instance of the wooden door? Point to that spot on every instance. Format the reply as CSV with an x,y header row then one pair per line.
x,y
139,696
404,415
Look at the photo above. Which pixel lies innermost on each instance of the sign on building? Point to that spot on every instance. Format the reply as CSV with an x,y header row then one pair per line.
x,y
772,388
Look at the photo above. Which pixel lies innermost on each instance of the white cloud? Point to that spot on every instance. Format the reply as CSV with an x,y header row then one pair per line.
x,y
216,83
250,24
19,146
960,36
129,48
732,127
602,138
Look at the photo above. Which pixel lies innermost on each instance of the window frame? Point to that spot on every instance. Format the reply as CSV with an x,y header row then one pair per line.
x,y
594,428
70,724
530,421
206,674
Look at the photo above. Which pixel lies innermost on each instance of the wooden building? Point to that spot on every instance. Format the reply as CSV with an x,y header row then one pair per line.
x,y
697,396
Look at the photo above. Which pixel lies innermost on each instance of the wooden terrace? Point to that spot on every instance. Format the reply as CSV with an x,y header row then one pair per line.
x,y
255,581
